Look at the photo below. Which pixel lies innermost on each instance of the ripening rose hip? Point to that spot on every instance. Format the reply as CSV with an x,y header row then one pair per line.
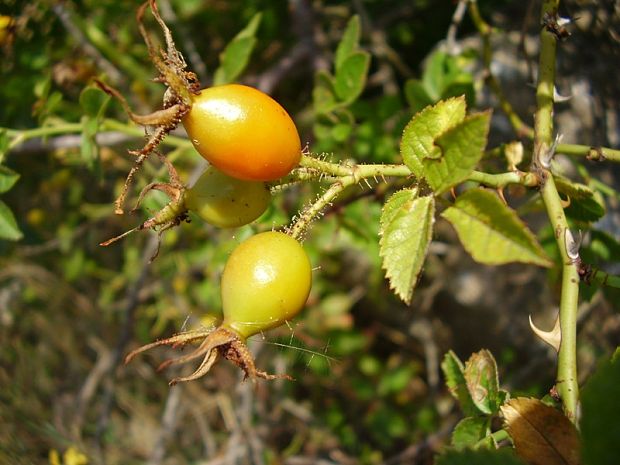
x,y
243,132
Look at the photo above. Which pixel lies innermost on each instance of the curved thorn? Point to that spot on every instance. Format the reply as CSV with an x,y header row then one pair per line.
x,y
553,337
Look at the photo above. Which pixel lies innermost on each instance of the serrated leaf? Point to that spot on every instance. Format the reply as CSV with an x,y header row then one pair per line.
x,y
8,226
236,55
351,77
491,232
462,148
420,133
600,428
406,231
8,178
541,434
349,42
454,372
587,209
479,457
482,382
574,190
470,431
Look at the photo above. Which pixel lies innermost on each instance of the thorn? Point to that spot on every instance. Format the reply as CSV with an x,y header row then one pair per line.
x,y
572,246
500,192
560,98
553,337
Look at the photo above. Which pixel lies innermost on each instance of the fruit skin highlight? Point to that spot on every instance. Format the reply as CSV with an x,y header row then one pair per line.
x,y
227,202
243,132
266,281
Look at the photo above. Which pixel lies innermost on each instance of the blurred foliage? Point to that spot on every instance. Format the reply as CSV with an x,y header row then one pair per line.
x,y
368,386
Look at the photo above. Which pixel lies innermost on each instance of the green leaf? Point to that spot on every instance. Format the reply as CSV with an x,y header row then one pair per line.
x,y
349,42
351,77
483,383
8,178
236,55
491,232
8,226
479,457
454,372
416,95
462,148
434,75
420,133
406,231
93,101
89,150
469,431
600,428
571,189
587,209
323,93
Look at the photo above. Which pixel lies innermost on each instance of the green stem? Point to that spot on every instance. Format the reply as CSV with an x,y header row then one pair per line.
x,y
604,279
591,153
19,136
567,356
138,131
501,180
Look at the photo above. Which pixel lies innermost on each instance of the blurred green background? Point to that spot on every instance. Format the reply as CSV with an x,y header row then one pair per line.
x,y
368,387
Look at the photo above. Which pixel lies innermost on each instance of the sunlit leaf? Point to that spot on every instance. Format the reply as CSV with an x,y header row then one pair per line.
x,y
541,434
236,55
418,142
462,148
406,231
483,383
454,371
491,232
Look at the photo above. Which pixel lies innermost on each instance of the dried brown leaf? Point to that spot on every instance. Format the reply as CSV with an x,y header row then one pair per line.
x,y
542,435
